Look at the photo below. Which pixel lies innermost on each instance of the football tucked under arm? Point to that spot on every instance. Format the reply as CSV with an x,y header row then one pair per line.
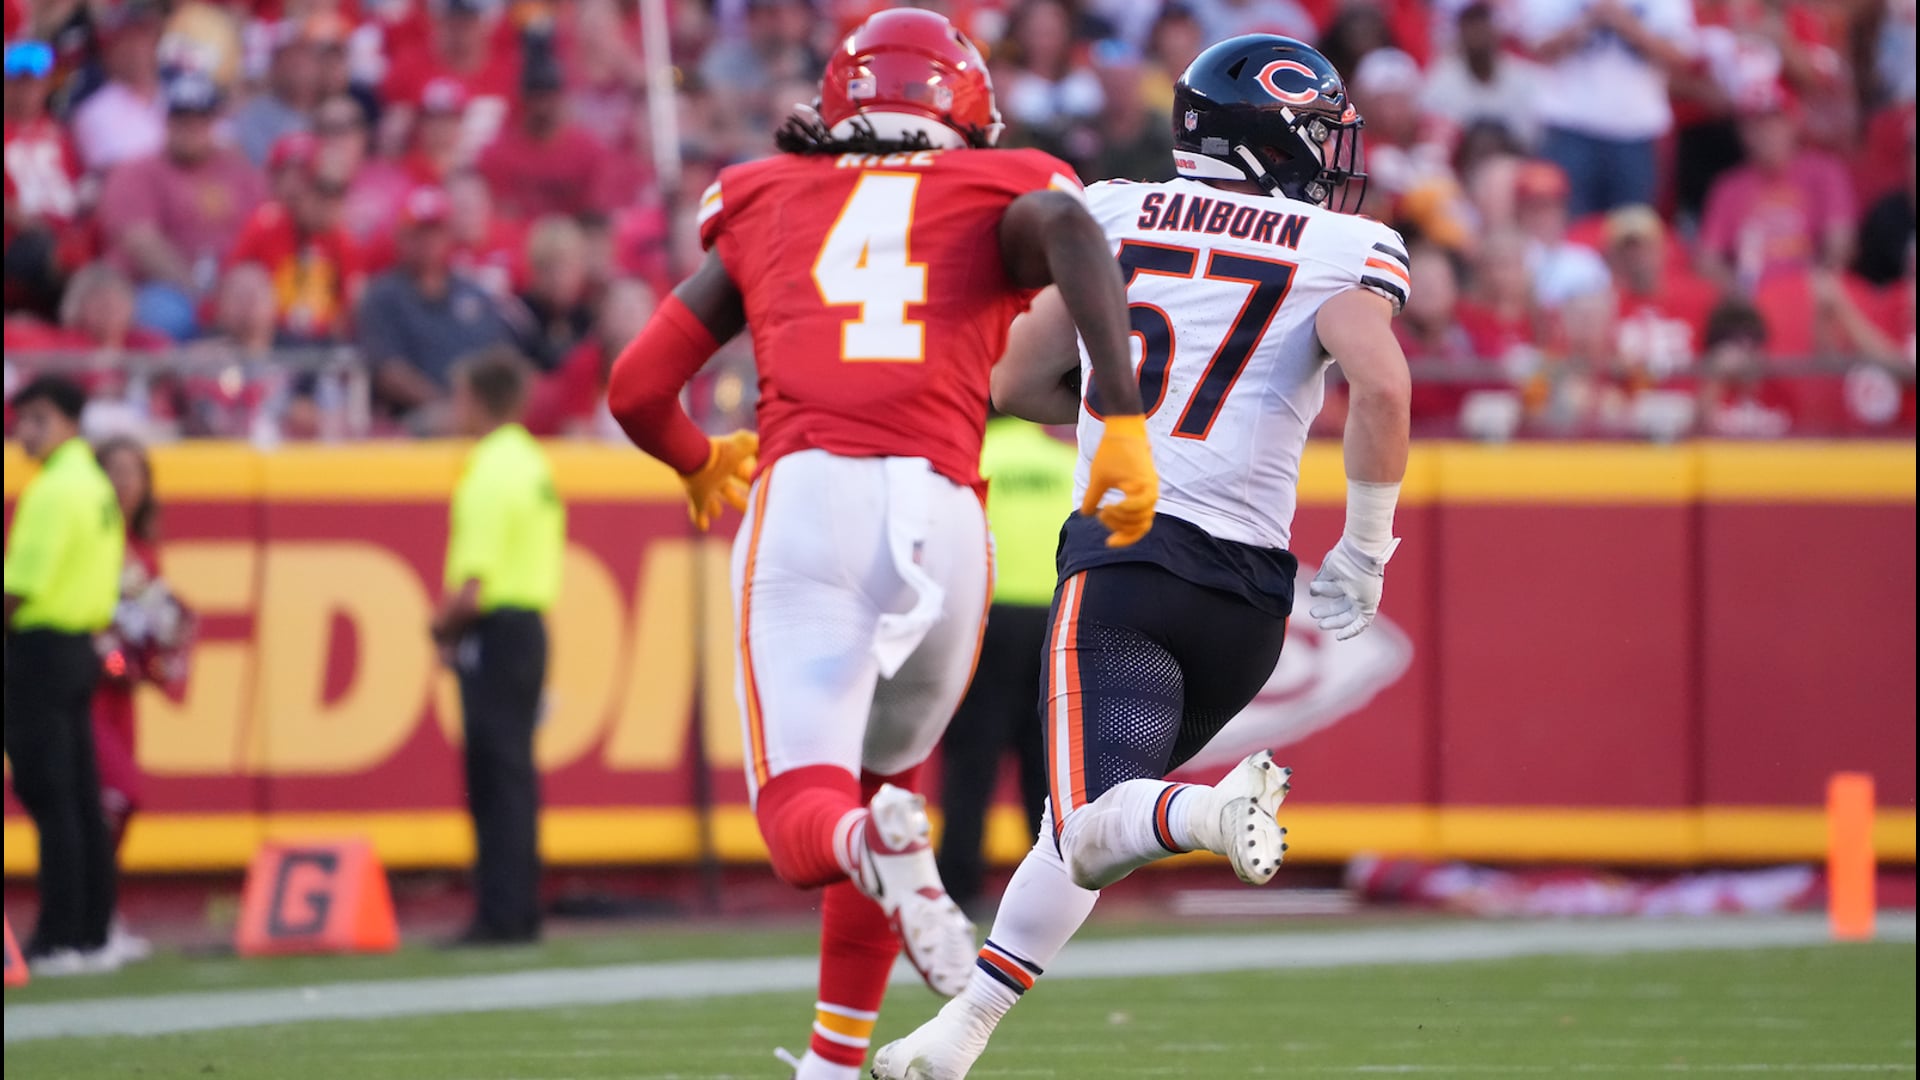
x,y
1038,377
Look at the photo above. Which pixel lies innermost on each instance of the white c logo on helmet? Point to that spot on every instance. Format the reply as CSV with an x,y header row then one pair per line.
x,y
1290,97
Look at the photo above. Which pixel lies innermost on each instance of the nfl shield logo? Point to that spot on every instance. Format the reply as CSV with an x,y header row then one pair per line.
x,y
1193,119
861,87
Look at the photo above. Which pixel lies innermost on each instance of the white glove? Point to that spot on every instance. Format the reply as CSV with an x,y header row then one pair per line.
x,y
1348,589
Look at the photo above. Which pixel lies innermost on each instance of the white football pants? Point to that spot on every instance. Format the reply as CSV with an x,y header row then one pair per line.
x,y
860,588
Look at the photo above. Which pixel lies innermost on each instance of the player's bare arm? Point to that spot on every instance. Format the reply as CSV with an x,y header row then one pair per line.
x,y
1048,238
1356,329
643,392
710,294
1038,377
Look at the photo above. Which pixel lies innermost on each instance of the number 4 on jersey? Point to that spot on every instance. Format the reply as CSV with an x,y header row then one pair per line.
x,y
865,261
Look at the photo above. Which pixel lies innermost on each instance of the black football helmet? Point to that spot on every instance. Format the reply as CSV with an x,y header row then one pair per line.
x,y
1269,109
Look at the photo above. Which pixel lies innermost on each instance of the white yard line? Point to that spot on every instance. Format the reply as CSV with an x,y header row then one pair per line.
x,y
1125,958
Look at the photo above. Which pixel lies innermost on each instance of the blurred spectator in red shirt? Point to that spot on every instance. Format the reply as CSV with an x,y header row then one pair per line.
x,y
1562,270
541,164
1446,366
466,51
1499,313
1873,328
568,401
1745,49
126,118
171,218
382,184
1479,81
556,312
605,73
313,262
487,247
1663,307
1885,250
439,131
1786,210
292,90
1737,401
45,235
1886,152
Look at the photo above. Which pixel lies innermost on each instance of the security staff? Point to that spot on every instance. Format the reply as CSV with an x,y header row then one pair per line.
x,y
508,532
1029,492
62,580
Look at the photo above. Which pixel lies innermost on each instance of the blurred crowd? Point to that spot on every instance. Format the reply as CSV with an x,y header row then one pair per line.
x,y
1649,217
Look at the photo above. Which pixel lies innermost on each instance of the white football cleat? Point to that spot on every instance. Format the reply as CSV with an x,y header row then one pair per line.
x,y
124,944
64,962
899,874
1251,837
943,1048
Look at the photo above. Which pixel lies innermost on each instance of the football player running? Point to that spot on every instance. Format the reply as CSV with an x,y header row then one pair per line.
x,y
878,262
1241,272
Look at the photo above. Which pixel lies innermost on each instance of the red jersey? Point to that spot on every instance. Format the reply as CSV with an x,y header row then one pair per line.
x,y
571,173
315,278
875,294
43,171
1660,335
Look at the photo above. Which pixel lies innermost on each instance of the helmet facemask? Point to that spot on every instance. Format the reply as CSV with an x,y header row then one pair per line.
x,y
1333,178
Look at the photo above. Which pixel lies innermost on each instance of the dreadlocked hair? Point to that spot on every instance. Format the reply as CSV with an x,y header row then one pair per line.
x,y
803,132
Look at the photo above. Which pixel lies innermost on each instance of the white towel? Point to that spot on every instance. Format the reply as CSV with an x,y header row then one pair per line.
x,y
909,525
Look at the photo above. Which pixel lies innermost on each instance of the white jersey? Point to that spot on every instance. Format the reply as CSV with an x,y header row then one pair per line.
x,y
1223,289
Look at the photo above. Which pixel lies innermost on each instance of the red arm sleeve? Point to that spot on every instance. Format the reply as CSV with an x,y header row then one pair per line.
x,y
644,390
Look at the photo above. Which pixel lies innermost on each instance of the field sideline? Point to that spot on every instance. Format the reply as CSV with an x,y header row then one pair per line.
x,y
1550,998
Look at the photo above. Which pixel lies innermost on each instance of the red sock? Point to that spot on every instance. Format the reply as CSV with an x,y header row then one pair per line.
x,y
798,813
857,950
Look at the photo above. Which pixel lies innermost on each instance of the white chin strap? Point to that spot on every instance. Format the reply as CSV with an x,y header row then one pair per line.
x,y
893,127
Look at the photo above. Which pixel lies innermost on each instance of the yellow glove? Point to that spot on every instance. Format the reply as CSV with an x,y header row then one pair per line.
x,y
723,479
1123,462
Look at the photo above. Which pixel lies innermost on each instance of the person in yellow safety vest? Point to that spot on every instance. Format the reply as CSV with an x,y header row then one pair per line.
x,y
62,583
506,540
1029,477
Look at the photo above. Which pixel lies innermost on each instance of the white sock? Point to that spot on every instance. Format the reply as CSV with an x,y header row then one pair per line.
x,y
817,1068
1194,820
1131,825
1040,912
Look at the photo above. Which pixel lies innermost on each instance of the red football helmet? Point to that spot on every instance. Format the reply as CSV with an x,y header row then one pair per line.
x,y
906,66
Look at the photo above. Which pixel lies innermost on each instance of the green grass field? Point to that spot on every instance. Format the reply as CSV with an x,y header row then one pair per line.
x,y
1789,1012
